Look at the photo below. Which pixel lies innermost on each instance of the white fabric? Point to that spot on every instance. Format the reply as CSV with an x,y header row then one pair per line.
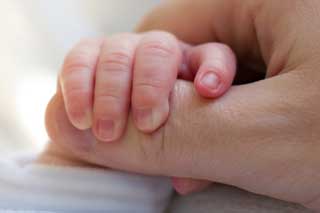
x,y
59,189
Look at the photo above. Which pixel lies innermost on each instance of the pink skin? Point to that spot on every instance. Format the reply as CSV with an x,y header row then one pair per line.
x,y
215,69
102,77
185,186
113,86
77,81
213,59
158,58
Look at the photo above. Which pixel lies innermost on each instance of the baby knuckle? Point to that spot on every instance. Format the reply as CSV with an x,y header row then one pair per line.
x,y
76,92
161,47
153,86
116,61
157,49
107,97
76,62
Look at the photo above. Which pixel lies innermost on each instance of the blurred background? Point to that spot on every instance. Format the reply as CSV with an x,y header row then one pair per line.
x,y
35,36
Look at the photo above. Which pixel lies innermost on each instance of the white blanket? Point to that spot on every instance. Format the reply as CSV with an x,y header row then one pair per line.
x,y
59,189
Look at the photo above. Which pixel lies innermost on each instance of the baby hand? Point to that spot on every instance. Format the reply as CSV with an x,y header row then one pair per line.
x,y
102,78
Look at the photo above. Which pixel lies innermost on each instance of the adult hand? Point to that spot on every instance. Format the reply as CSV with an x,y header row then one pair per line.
x,y
262,137
272,34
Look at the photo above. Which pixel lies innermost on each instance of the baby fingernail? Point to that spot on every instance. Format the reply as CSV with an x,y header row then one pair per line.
x,y
87,121
151,119
82,121
105,130
144,118
210,80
